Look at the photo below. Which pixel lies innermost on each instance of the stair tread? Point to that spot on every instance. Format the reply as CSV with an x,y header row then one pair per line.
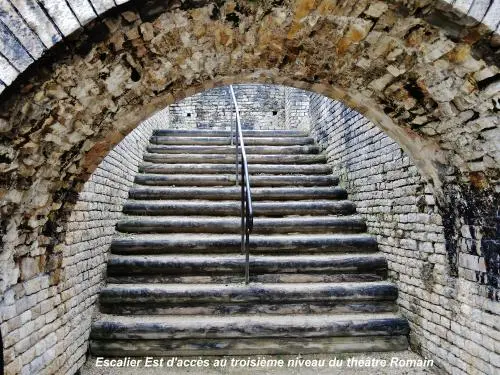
x,y
228,158
155,294
201,180
232,202
231,156
229,149
226,193
361,290
204,326
237,258
156,243
232,176
255,237
233,207
263,139
236,219
219,133
253,168
222,224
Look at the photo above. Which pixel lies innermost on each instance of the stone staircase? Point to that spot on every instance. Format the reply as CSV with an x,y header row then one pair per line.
x,y
176,275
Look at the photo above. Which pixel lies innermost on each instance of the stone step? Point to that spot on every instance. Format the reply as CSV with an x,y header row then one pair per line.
x,y
233,208
261,225
196,243
230,180
197,149
254,298
234,193
226,159
247,334
216,268
247,346
222,141
239,278
227,133
301,169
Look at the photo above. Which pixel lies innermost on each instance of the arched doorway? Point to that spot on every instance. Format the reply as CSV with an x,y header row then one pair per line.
x,y
434,92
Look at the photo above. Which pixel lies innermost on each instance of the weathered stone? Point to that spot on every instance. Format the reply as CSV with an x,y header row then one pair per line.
x,y
62,15
13,50
29,268
102,5
115,92
376,9
82,10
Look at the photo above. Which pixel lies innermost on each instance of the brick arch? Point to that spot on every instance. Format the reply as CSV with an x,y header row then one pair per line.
x,y
432,89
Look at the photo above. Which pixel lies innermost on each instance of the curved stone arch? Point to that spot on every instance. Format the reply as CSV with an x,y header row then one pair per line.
x,y
57,123
424,90
29,28
424,153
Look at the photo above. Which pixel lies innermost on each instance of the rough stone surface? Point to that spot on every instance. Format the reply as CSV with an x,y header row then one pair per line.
x,y
16,24
261,107
428,82
55,18
401,210
46,319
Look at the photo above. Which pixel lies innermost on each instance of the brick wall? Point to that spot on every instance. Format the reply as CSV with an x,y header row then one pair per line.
x,y
296,109
452,319
46,321
261,107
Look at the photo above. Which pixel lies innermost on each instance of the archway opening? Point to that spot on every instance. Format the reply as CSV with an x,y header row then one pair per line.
x,y
433,90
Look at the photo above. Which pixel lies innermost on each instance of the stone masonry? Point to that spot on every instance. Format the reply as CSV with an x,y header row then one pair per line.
x,y
28,28
421,71
46,319
261,107
401,210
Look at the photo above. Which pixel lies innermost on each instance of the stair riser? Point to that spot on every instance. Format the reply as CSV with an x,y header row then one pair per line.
x,y
231,265
124,308
273,294
303,169
235,194
228,133
226,141
225,159
312,290
231,328
234,208
237,346
130,246
238,278
276,150
232,226
230,180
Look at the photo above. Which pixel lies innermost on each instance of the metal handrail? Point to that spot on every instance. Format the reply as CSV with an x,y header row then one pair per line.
x,y
246,195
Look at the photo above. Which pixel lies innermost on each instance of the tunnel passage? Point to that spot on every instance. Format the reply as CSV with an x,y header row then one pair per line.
x,y
429,84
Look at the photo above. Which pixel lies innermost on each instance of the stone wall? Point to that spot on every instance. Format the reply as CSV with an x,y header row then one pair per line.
x,y
29,28
296,109
453,320
261,107
428,78
46,319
